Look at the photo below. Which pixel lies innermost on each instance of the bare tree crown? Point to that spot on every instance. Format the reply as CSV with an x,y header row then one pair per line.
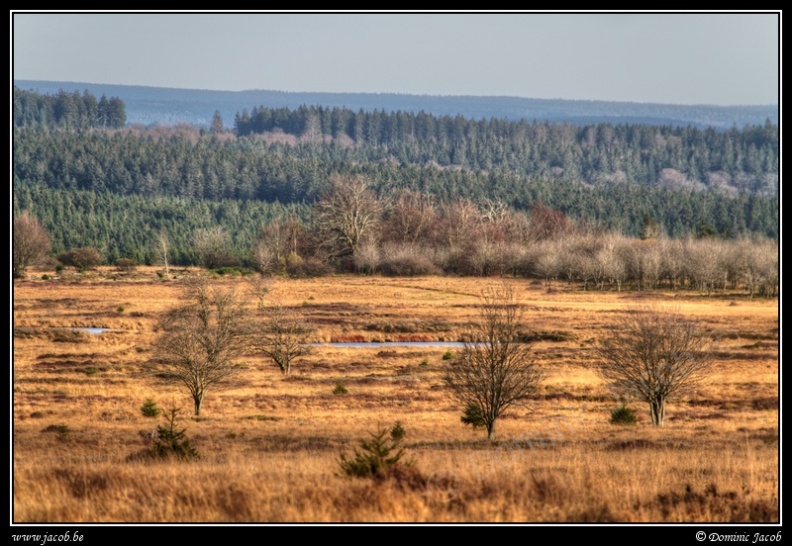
x,y
655,353
202,338
31,243
494,370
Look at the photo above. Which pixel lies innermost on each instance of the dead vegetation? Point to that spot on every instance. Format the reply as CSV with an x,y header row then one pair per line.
x,y
269,442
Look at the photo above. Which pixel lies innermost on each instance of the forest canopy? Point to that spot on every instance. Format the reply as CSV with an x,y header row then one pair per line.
x,y
92,181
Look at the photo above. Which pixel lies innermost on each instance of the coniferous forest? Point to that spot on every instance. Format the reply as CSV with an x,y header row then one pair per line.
x,y
92,181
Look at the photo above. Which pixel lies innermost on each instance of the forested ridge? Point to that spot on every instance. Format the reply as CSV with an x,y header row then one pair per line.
x,y
153,105
734,160
114,189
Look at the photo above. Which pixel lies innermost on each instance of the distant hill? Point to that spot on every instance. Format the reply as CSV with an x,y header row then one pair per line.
x,y
153,105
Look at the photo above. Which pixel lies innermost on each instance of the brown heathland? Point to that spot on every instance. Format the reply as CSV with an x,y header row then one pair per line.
x,y
269,443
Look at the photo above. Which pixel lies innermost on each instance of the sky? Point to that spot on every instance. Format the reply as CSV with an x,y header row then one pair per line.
x,y
706,58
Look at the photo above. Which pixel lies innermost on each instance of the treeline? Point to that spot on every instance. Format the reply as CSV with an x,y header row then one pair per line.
x,y
351,229
189,165
410,233
67,110
127,226
682,157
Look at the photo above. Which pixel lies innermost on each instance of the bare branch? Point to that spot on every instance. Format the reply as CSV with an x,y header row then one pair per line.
x,y
31,243
202,338
346,213
284,337
654,353
494,370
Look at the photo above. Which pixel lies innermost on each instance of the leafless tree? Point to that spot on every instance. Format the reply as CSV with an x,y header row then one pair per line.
x,y
284,337
611,258
276,244
547,223
367,257
460,221
202,338
410,217
405,260
705,264
313,129
258,288
346,213
494,370
551,261
755,264
214,248
673,259
31,243
653,354
644,262
162,251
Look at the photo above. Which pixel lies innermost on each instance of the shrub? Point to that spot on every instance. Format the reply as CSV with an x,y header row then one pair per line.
x,y
214,248
623,416
472,416
407,261
45,277
340,389
125,264
170,441
378,457
233,271
448,355
397,432
308,268
81,258
62,431
149,408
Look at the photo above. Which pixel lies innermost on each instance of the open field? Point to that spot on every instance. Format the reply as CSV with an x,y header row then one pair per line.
x,y
269,443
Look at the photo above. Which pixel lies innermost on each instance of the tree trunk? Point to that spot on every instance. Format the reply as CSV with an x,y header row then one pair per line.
x,y
197,400
657,410
491,432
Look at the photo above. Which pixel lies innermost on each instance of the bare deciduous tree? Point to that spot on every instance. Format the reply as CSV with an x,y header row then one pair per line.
x,y
214,248
410,217
284,337
162,251
31,243
345,214
547,223
258,288
459,224
202,338
494,370
276,244
705,263
653,354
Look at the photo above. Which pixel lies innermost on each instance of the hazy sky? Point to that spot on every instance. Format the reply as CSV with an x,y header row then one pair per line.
x,y
724,59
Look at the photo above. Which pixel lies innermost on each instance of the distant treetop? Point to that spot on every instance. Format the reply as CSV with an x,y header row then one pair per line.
x,y
68,110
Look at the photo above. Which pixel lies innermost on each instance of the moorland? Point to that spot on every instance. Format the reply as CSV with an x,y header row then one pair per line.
x,y
270,443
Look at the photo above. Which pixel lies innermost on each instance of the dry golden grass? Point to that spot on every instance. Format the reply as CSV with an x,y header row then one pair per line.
x,y
269,444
